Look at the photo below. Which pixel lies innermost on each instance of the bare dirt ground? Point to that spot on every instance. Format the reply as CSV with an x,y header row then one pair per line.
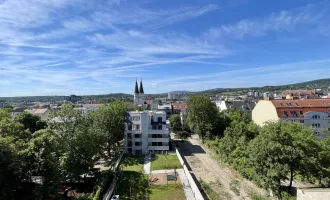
x,y
161,179
224,180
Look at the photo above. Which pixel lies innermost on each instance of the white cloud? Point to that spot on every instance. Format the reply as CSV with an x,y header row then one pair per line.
x,y
286,20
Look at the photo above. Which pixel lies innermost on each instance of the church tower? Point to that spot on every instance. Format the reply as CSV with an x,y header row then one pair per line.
x,y
139,98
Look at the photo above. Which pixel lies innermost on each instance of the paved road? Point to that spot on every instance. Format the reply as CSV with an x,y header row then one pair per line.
x,y
147,164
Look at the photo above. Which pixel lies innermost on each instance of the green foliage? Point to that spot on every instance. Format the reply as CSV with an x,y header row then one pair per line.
x,y
175,121
203,117
255,196
160,162
272,154
108,123
282,150
4,113
31,122
45,151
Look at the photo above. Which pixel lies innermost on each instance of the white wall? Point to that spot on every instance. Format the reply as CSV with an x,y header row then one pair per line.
x,y
263,112
197,193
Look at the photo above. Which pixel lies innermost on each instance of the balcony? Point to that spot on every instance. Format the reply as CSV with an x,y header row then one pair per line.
x,y
158,139
136,147
164,148
137,140
157,131
135,131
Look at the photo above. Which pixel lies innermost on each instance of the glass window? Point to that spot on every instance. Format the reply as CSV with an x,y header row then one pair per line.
x,y
285,114
302,121
160,119
137,127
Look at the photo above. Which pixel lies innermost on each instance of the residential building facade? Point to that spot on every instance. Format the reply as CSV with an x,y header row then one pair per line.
x,y
146,132
43,113
309,112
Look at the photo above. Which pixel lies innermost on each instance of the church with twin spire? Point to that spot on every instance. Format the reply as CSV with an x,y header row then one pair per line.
x,y
139,97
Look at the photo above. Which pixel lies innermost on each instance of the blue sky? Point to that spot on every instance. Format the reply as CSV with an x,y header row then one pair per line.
x,y
62,47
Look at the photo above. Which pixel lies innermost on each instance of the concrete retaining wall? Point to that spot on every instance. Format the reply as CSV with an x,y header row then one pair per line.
x,y
108,195
197,193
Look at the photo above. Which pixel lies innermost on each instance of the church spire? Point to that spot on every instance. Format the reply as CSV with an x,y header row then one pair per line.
x,y
141,88
136,88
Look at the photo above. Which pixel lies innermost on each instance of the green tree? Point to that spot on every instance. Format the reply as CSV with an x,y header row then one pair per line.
x,y
4,113
11,168
175,121
12,128
30,121
79,142
108,122
45,148
203,116
281,151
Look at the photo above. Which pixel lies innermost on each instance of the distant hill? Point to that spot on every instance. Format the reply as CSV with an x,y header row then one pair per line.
x,y
322,84
181,92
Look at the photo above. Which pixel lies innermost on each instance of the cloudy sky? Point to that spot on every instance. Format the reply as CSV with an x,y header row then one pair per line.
x,y
62,47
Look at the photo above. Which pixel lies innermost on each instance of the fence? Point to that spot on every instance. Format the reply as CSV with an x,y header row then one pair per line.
x,y
107,195
197,193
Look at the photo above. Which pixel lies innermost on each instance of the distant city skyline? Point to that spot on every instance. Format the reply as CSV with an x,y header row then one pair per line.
x,y
63,47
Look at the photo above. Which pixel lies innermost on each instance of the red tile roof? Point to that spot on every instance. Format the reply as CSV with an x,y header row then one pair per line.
x,y
179,105
296,107
299,92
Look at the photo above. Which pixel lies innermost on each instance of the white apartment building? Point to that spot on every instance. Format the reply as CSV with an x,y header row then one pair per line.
x,y
146,132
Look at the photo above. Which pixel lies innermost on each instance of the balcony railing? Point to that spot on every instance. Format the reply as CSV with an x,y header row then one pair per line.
x,y
166,148
158,139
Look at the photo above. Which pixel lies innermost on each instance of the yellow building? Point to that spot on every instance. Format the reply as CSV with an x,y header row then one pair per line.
x,y
310,112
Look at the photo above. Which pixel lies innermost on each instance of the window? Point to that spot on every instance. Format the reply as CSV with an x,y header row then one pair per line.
x,y
287,104
316,117
129,144
160,127
281,104
302,121
297,104
129,127
328,129
316,125
293,113
129,135
301,113
160,119
135,118
137,127
137,135
285,114
138,144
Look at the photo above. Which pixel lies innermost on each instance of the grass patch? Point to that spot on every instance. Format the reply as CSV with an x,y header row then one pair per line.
x,y
160,162
234,186
133,184
132,163
255,196
213,195
164,192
